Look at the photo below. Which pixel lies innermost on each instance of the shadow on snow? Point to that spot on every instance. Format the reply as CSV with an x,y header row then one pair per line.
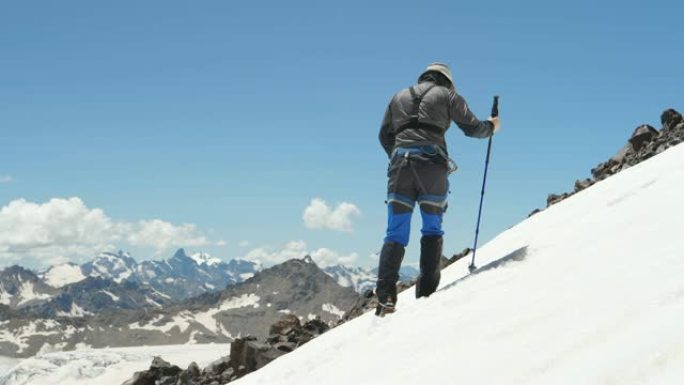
x,y
515,256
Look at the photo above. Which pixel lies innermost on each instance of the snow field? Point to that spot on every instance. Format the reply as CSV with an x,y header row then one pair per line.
x,y
105,366
7,363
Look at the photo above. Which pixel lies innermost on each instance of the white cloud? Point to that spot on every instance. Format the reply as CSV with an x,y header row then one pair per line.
x,y
298,249
66,229
319,215
164,235
244,243
269,255
6,179
326,257
221,243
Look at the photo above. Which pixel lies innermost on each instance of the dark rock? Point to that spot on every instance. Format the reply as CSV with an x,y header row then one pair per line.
x,y
285,346
606,169
163,368
460,255
227,375
552,199
535,211
193,370
247,355
364,303
159,363
642,135
670,118
443,262
401,286
167,380
288,321
582,184
142,378
217,367
316,326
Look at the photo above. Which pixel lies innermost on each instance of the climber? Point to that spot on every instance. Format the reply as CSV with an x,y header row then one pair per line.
x,y
412,135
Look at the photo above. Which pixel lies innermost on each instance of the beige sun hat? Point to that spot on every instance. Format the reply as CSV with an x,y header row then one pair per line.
x,y
442,69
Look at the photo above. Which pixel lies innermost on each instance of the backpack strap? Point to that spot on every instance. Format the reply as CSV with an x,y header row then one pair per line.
x,y
413,119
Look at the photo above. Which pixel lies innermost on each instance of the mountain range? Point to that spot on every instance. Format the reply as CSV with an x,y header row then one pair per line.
x,y
113,300
117,280
69,320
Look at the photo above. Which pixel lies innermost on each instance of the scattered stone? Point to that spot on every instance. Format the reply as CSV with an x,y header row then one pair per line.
x,y
285,346
285,324
316,326
163,368
142,378
552,199
217,367
583,184
401,286
670,119
160,373
248,355
460,255
187,376
535,211
365,302
642,135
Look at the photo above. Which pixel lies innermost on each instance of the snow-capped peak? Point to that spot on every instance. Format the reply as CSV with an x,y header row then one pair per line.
x,y
64,274
117,267
204,259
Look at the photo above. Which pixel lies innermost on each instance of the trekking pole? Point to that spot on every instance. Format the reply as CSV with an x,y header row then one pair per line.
x,y
495,113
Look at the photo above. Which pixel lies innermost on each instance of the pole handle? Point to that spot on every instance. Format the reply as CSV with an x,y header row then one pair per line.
x,y
495,107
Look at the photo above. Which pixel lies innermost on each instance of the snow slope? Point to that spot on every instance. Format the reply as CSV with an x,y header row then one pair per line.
x,y
6,364
105,366
592,293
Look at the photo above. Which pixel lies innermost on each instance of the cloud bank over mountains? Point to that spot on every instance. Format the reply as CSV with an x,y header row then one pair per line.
x,y
296,249
65,229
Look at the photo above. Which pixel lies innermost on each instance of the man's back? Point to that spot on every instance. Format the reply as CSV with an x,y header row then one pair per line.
x,y
421,115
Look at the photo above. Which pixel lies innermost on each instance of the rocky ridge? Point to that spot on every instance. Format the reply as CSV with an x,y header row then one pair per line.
x,y
246,355
645,142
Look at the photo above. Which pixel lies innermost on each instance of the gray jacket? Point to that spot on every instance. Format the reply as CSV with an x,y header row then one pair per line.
x,y
439,106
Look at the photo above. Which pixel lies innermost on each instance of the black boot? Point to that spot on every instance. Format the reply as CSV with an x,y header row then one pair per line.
x,y
388,274
430,256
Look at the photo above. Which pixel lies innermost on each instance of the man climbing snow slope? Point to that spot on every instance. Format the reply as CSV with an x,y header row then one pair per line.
x,y
412,134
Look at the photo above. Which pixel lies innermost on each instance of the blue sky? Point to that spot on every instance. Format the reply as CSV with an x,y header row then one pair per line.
x,y
233,116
